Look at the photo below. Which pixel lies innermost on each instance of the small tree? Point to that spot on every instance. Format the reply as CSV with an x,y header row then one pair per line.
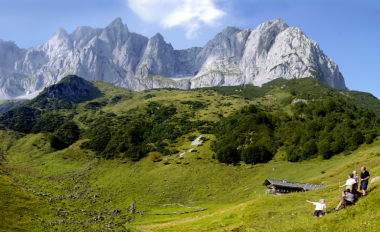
x,y
324,149
309,149
337,146
257,154
358,137
228,154
369,138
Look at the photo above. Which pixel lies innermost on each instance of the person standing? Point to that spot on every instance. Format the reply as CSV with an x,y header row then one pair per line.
x,y
355,186
364,180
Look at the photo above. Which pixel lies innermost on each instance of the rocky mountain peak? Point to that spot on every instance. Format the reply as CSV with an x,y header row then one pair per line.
x,y
228,31
275,23
116,23
60,33
9,54
127,59
157,38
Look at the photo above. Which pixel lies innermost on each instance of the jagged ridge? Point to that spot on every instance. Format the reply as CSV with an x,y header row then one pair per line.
x,y
127,59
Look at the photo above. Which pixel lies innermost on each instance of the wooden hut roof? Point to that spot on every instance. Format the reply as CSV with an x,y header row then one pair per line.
x,y
294,185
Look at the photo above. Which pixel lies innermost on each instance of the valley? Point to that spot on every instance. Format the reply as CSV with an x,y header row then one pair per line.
x,y
122,162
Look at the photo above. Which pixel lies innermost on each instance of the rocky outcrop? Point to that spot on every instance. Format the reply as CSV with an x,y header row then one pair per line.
x,y
127,59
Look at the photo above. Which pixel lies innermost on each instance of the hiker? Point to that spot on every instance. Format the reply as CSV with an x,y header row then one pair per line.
x,y
319,206
349,183
355,186
348,199
364,180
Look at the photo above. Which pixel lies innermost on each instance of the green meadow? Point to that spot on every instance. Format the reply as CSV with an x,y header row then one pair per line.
x,y
79,189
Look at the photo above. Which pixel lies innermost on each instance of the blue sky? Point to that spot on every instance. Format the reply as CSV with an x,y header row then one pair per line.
x,y
347,31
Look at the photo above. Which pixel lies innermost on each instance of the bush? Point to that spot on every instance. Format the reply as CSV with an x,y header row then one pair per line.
x,y
204,139
309,149
324,149
174,151
358,137
292,154
257,154
228,154
149,96
155,157
110,115
287,100
195,105
192,138
369,138
337,146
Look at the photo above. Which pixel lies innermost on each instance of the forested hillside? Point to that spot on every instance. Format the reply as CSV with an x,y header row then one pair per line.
x,y
81,162
305,117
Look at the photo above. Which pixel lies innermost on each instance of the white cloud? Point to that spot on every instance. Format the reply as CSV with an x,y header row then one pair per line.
x,y
190,14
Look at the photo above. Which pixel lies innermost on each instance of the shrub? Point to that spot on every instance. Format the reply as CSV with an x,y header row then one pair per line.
x,y
195,105
155,157
149,96
337,146
292,154
257,154
358,137
55,142
369,138
191,138
324,149
309,149
228,154
110,115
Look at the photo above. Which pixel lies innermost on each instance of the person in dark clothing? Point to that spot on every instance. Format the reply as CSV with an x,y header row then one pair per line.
x,y
364,180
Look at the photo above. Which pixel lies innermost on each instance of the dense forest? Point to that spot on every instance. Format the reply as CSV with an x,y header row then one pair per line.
x,y
325,122
315,128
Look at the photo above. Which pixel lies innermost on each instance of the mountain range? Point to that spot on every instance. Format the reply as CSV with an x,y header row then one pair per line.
x,y
127,59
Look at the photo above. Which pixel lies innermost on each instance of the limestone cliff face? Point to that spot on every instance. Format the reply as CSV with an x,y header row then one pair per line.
x,y
126,59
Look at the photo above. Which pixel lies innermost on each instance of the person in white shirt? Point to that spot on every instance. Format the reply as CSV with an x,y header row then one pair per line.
x,y
349,183
319,207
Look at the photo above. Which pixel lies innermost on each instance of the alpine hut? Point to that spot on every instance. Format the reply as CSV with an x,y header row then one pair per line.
x,y
284,187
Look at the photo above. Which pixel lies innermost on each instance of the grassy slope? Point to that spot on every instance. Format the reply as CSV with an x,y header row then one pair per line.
x,y
233,195
16,206
234,198
291,212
